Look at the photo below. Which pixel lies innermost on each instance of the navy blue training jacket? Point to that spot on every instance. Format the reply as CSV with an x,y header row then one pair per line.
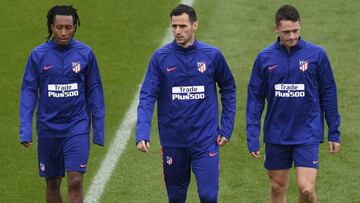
x,y
64,83
183,82
299,89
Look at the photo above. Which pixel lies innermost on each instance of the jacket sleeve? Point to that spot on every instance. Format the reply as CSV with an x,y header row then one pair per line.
x,y
28,98
95,100
148,95
255,106
226,83
328,98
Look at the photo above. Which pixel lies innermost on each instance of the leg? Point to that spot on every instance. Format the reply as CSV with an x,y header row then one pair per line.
x,y
53,194
205,165
278,161
76,155
51,167
75,193
306,158
279,182
306,178
176,170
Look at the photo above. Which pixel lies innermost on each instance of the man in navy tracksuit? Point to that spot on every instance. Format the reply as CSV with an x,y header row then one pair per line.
x,y
296,80
62,81
182,77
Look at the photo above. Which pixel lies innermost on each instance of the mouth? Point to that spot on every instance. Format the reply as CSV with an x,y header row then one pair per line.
x,y
179,37
292,41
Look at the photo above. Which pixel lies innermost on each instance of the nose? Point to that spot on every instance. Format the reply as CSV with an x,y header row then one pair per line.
x,y
63,31
177,29
292,35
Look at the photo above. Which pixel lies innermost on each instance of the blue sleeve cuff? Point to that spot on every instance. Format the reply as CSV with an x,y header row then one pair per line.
x,y
334,138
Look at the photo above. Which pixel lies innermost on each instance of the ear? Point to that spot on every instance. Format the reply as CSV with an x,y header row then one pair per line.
x,y
52,27
276,29
195,25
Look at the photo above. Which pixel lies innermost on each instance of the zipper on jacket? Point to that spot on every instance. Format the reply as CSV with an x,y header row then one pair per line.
x,y
288,65
288,55
186,63
62,63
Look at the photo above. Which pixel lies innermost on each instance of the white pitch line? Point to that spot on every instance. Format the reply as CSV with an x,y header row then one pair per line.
x,y
120,140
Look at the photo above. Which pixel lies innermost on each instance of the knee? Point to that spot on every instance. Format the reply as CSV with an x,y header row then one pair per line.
x,y
208,197
278,187
307,190
53,184
75,182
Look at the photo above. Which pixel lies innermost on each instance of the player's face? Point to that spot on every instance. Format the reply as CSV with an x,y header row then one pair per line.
x,y
183,30
289,32
63,29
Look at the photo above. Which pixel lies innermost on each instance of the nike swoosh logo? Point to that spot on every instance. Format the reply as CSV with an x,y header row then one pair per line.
x,y
170,69
48,67
315,162
82,165
272,67
212,154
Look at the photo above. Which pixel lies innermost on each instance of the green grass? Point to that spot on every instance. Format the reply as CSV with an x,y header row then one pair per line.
x,y
124,35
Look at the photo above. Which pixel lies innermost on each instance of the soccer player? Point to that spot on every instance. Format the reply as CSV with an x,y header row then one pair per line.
x,y
182,78
295,78
62,81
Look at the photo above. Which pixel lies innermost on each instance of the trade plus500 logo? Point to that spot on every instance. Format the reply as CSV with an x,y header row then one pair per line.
x,y
289,90
188,92
63,90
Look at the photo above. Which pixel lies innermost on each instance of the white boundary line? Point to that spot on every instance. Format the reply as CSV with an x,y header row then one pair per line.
x,y
120,140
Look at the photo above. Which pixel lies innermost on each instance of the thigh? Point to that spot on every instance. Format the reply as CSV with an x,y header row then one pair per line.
x,y
176,170
205,165
76,152
50,157
279,178
306,177
278,157
306,155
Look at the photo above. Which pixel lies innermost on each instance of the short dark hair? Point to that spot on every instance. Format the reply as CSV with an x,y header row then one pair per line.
x,y
61,10
287,12
183,8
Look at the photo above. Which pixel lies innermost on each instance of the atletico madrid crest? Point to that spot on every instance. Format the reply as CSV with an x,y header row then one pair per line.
x,y
76,67
42,166
201,66
169,160
303,65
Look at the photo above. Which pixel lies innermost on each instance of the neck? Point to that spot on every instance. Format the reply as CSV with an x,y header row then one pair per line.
x,y
188,43
288,48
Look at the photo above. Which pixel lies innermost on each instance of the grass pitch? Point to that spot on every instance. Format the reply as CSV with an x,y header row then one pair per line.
x,y
123,35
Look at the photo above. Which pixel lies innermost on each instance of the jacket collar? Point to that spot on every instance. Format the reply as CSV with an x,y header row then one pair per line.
x,y
182,49
54,45
298,46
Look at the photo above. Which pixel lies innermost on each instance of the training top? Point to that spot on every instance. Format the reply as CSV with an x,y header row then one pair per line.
x,y
183,82
64,83
299,89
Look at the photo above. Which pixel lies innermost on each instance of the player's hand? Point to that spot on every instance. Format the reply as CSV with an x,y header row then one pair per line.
x,y
256,154
221,140
143,146
334,147
26,144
